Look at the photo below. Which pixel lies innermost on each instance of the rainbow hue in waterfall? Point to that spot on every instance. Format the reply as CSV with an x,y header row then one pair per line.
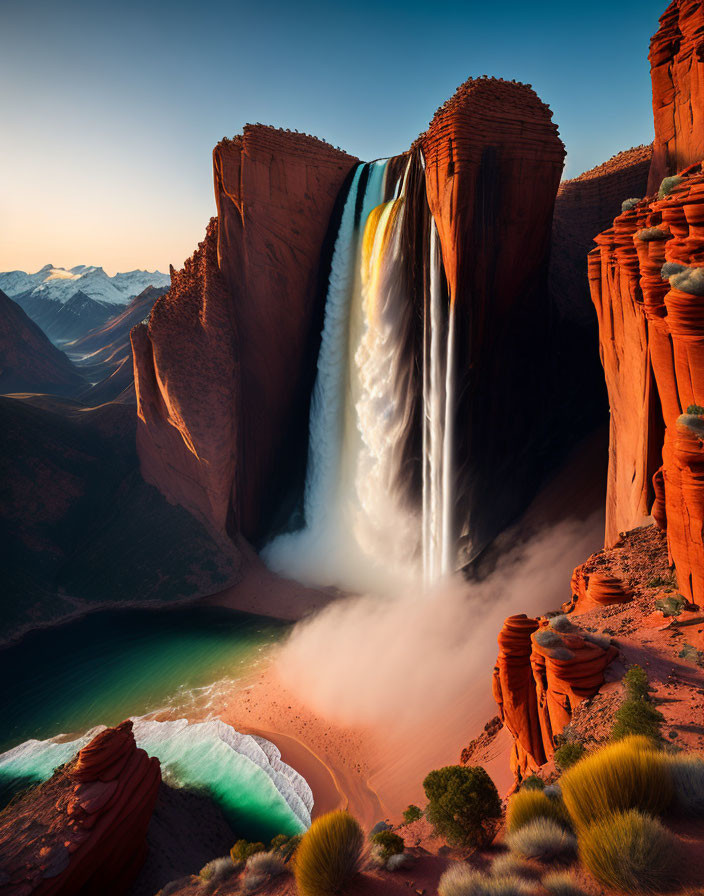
x,y
383,402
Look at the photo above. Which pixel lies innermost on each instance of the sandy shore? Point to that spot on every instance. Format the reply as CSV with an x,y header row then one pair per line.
x,y
375,774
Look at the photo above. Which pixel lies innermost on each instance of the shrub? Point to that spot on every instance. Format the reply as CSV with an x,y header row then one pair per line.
x,y
568,754
689,280
412,813
461,880
637,717
285,846
650,234
636,683
562,883
399,862
690,653
629,204
527,805
629,774
217,871
669,581
463,804
668,184
542,839
243,849
330,855
533,782
508,865
631,852
687,772
671,605
696,410
546,638
269,864
561,623
387,843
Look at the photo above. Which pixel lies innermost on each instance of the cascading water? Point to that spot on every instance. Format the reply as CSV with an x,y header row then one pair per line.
x,y
361,532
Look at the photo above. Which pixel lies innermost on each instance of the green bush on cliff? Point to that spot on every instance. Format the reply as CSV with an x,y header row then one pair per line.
x,y
668,184
387,844
463,805
629,204
533,782
696,410
569,753
243,849
636,683
411,814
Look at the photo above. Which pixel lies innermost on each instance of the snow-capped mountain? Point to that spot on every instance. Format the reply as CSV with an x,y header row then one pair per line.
x,y
68,302
61,284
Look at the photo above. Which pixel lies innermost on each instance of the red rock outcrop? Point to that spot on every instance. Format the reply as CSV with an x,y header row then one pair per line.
x,y
595,589
677,70
28,361
84,830
230,342
586,205
652,338
541,675
491,150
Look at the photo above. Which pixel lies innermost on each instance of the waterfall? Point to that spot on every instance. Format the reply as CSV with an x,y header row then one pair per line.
x,y
360,532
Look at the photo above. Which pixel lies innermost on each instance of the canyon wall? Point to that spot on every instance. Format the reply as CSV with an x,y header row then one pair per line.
x,y
493,160
677,70
224,364
85,829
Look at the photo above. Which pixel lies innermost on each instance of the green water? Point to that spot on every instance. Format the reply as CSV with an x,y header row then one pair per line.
x,y
109,666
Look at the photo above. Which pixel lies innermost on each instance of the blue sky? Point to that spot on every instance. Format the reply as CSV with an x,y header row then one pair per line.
x,y
110,111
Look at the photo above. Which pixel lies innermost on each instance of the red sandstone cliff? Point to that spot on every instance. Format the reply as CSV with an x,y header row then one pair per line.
x,y
677,71
493,160
585,206
222,366
83,831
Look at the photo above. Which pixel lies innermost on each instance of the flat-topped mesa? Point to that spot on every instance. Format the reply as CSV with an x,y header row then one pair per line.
x,y
235,338
651,335
493,160
677,71
85,829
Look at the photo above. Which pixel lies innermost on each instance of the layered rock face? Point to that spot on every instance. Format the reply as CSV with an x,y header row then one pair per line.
x,y
493,160
83,831
677,71
541,675
231,342
30,363
651,337
585,206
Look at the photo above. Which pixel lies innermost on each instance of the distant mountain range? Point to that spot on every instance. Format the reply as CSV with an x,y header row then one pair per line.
x,y
68,303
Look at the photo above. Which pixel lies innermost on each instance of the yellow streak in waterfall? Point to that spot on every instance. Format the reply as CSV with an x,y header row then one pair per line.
x,y
378,233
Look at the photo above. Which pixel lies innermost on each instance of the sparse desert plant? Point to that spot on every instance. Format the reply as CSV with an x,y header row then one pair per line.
x,y
508,865
542,839
243,849
269,864
668,184
387,843
561,623
686,279
629,204
463,804
412,813
631,852
687,772
562,883
461,880
628,774
669,581
533,782
547,638
696,410
217,872
285,846
639,717
692,654
650,234
672,605
568,753
278,842
527,805
399,862
329,855
636,683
